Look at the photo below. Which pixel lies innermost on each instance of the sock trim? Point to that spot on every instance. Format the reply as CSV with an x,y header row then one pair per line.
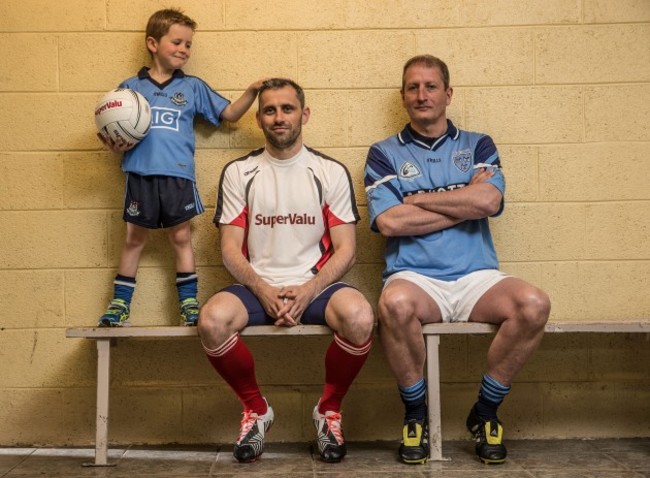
x,y
186,277
223,348
414,392
351,348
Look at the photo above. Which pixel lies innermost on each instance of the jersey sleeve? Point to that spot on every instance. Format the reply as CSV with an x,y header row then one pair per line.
x,y
231,200
380,181
209,103
486,153
342,204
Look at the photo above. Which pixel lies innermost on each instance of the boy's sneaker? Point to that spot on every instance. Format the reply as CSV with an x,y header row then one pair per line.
x,y
489,438
189,311
250,445
331,444
117,314
414,449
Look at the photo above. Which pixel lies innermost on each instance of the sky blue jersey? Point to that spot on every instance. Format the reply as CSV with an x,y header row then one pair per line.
x,y
168,149
403,165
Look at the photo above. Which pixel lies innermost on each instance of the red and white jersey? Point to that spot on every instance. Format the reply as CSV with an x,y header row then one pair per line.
x,y
287,208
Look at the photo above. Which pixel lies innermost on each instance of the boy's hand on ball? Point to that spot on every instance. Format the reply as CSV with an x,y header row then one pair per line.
x,y
117,147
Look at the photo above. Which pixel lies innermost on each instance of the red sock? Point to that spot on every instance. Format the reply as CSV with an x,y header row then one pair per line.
x,y
234,362
343,361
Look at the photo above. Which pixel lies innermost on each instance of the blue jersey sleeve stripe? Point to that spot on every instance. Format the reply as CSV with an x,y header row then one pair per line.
x,y
379,163
370,184
486,151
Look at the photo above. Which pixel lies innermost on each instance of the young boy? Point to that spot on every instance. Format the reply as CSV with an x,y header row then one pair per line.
x,y
160,176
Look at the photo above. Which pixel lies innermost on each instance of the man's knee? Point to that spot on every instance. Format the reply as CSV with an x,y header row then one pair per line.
x,y
216,322
536,308
359,321
364,317
395,307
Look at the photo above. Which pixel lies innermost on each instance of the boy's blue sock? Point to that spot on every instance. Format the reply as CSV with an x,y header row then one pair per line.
x,y
490,397
123,288
414,398
187,284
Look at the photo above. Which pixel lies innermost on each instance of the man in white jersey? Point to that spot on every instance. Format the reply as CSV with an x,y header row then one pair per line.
x,y
430,190
286,215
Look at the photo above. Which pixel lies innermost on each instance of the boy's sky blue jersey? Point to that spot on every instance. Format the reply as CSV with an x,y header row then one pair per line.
x,y
403,165
168,149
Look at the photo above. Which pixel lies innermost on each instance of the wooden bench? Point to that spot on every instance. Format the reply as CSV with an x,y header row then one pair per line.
x,y
432,332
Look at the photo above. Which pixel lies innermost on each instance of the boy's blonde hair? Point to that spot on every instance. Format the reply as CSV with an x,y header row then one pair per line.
x,y
160,22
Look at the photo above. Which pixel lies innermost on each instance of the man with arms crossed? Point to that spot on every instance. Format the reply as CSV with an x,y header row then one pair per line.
x,y
287,216
430,190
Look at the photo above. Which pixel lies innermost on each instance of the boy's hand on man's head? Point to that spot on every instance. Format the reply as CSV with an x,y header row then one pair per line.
x,y
256,86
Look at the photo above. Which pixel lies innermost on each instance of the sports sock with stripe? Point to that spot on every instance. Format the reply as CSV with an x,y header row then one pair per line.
x,y
187,284
414,398
234,362
123,288
343,361
490,397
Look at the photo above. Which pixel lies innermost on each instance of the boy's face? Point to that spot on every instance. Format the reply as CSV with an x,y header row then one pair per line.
x,y
173,49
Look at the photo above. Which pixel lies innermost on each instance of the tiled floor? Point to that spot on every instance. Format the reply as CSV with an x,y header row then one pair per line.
x,y
626,458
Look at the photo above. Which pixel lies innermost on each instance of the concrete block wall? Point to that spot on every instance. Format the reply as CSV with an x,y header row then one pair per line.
x,y
562,86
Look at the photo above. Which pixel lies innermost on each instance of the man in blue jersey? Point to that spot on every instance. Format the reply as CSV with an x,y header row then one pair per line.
x,y
431,189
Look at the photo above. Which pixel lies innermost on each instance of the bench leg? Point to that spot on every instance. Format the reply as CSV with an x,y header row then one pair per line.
x,y
433,393
101,419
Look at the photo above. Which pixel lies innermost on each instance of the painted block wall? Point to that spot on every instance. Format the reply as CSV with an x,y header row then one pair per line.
x,y
563,87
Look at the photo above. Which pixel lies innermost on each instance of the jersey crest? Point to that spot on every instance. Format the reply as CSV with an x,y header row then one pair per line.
x,y
463,160
409,171
179,99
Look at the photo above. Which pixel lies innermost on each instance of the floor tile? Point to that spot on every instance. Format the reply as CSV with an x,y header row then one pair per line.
x,y
166,462
628,458
278,459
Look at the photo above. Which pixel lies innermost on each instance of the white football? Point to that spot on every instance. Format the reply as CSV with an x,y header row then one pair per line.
x,y
125,114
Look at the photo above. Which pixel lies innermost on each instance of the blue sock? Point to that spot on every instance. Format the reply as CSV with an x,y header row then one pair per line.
x,y
123,288
490,397
187,284
414,398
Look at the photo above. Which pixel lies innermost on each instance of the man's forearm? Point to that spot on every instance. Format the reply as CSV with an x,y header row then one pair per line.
x,y
471,202
241,270
411,220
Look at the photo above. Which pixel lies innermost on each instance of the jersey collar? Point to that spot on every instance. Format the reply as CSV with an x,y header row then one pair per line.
x,y
143,74
406,136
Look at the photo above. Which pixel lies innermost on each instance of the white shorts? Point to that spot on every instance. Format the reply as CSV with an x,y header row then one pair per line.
x,y
457,298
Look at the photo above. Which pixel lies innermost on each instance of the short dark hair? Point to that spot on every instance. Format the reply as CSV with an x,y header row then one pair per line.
x,y
429,61
277,83
160,22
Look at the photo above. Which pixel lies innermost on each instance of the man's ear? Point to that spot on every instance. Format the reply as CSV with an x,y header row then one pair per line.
x,y
306,113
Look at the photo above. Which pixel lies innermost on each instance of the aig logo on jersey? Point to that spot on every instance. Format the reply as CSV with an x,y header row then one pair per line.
x,y
463,160
167,118
409,171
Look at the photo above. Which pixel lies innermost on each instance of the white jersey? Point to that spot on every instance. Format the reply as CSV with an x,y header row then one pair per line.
x,y
287,208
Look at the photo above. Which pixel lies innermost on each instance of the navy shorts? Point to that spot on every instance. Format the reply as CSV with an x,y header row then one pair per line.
x,y
314,314
160,201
